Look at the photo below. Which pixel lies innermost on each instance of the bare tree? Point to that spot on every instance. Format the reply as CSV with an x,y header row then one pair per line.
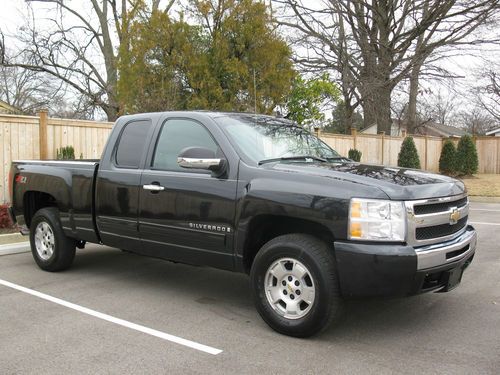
x,y
29,91
382,42
488,93
80,47
476,121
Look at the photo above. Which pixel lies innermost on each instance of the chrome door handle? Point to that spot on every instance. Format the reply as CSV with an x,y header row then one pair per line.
x,y
153,187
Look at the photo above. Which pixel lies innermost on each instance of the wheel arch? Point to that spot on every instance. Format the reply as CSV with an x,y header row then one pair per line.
x,y
34,201
263,228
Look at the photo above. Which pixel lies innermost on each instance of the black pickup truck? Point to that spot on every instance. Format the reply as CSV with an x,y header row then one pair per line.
x,y
255,194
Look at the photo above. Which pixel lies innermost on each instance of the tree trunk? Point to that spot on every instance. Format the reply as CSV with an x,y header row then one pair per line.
x,y
382,108
365,89
348,112
111,110
369,117
411,121
112,114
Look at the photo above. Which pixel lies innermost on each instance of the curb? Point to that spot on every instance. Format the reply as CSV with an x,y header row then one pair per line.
x,y
16,248
12,238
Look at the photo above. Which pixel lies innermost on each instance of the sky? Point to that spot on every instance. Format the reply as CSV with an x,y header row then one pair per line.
x,y
461,64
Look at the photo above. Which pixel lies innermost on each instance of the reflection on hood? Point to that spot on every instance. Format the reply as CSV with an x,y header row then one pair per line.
x,y
398,176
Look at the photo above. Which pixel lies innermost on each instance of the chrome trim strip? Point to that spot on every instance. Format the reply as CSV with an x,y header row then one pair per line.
x,y
198,163
438,218
110,219
435,255
56,162
439,200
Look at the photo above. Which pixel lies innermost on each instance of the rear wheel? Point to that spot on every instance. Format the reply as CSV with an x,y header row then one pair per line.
x,y
51,249
295,284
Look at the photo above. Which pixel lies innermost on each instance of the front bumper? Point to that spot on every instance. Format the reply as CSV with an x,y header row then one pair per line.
x,y
368,269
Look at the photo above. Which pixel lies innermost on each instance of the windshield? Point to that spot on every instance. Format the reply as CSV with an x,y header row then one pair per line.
x,y
260,138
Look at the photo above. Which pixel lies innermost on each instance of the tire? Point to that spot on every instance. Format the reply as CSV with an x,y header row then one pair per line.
x,y
298,267
51,249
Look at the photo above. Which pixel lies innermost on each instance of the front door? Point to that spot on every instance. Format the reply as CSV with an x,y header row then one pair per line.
x,y
186,215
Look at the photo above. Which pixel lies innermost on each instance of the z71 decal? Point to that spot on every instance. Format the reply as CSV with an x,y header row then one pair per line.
x,y
21,179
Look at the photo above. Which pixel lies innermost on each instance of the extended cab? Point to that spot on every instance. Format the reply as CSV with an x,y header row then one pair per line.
x,y
255,194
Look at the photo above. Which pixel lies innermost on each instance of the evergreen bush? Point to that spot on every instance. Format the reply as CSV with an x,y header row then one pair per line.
x,y
447,160
354,154
408,155
466,158
65,153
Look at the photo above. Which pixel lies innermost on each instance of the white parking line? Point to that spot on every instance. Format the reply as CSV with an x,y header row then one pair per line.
x,y
482,223
16,248
112,319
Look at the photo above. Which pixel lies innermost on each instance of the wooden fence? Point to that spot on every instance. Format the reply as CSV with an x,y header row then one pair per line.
x,y
382,149
38,137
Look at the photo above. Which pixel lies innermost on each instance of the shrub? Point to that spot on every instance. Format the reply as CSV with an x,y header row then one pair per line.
x,y
65,153
354,154
4,217
466,158
447,160
408,155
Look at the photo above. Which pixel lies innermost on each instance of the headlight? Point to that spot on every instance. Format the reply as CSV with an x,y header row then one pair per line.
x,y
376,220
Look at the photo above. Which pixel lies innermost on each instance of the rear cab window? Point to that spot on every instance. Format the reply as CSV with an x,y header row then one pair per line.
x,y
132,144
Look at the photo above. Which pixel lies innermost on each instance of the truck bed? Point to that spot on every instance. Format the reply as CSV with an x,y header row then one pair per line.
x,y
72,181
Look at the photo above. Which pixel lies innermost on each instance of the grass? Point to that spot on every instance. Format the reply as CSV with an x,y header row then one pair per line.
x,y
485,185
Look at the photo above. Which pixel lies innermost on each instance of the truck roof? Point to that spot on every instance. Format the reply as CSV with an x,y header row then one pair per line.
x,y
211,114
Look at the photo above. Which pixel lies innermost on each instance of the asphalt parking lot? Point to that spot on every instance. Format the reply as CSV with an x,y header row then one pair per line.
x,y
449,333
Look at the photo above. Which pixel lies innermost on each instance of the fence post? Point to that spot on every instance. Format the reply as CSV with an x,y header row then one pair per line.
x,y
425,155
498,154
42,128
354,133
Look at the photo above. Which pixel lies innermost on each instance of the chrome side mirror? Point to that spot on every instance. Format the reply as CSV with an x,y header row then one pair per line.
x,y
200,158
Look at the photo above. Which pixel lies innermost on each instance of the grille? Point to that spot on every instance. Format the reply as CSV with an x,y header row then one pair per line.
x,y
438,207
441,230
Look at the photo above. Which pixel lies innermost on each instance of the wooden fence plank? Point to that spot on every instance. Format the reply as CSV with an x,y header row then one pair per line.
x,y
428,147
3,182
20,137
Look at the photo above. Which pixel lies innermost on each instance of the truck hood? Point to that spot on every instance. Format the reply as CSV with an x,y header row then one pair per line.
x,y
397,183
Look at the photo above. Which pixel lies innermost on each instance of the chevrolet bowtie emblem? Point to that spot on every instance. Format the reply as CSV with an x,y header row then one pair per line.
x,y
454,216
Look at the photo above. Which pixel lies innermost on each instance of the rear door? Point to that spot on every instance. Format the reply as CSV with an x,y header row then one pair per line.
x,y
118,185
191,218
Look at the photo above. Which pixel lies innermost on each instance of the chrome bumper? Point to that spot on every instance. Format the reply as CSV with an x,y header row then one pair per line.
x,y
448,252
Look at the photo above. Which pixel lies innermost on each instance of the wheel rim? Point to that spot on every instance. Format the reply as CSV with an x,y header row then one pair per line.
x,y
290,288
44,241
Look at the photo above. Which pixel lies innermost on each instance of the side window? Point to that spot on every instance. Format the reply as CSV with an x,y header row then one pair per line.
x,y
132,143
176,135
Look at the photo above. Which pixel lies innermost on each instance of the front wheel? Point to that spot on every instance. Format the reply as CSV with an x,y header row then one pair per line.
x,y
51,249
295,285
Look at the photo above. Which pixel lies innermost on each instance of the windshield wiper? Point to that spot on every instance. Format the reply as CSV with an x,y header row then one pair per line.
x,y
305,157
